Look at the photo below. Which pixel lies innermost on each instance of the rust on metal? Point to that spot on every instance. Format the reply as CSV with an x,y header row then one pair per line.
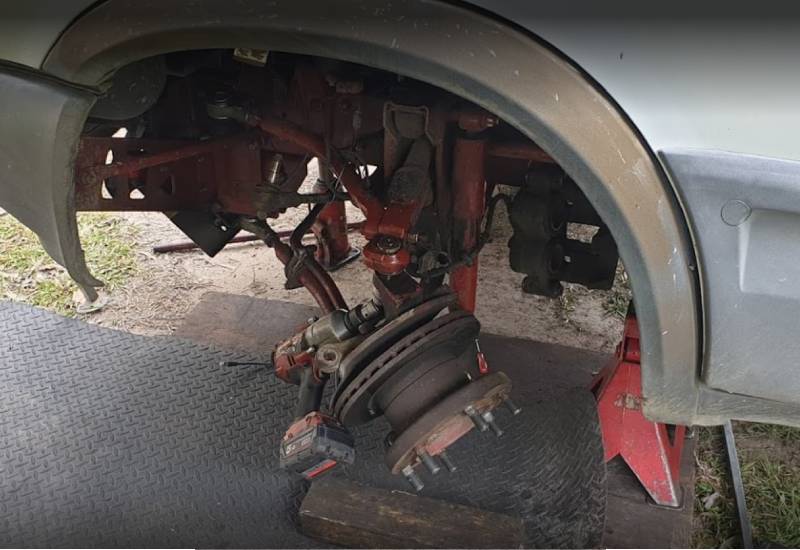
x,y
469,177
519,150
418,166
180,246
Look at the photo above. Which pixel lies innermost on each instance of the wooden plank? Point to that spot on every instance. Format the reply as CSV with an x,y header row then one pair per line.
x,y
356,516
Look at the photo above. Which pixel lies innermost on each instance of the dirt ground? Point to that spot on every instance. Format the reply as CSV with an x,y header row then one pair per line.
x,y
155,301
169,285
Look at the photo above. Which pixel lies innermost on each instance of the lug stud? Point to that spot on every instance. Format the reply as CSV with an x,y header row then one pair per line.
x,y
473,415
511,406
488,418
430,463
412,477
445,458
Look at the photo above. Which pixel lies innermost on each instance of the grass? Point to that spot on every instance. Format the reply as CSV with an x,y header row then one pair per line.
x,y
770,460
27,274
618,298
567,301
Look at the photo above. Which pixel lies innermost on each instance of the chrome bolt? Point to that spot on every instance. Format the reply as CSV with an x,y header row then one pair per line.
x,y
412,477
430,463
488,417
445,458
473,415
511,406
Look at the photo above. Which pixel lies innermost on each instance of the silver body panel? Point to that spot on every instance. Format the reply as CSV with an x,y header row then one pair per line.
x,y
688,93
746,214
28,29
717,83
720,83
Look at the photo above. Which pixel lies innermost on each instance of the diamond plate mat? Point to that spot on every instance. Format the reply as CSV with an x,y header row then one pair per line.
x,y
116,440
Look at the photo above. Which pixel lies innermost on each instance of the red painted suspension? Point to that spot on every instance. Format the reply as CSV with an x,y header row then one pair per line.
x,y
175,176
315,146
330,227
382,221
318,283
469,179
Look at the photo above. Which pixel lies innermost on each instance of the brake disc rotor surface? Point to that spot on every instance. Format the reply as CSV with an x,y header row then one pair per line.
x,y
375,344
443,338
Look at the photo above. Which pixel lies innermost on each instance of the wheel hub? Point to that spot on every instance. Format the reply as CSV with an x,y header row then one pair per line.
x,y
428,385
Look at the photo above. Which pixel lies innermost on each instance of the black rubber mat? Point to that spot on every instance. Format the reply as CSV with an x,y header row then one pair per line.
x,y
111,439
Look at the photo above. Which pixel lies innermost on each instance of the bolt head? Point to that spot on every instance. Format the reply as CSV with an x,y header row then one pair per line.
x,y
388,245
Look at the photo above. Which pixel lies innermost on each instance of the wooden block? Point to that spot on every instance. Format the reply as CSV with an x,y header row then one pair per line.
x,y
351,515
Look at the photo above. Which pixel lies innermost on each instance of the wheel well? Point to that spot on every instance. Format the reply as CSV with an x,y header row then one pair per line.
x,y
504,71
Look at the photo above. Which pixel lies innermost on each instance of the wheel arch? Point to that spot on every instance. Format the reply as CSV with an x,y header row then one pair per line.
x,y
493,64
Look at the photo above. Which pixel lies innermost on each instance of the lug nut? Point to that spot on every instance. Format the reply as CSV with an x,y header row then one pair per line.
x,y
430,463
473,415
488,418
413,478
445,458
511,406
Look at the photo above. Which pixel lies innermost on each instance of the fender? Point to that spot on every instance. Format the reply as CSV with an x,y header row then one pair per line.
x,y
492,64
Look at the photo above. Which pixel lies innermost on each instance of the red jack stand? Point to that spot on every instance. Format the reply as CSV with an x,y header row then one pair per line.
x,y
645,446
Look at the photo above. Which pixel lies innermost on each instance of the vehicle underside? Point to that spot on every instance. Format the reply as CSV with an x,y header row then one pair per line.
x,y
221,140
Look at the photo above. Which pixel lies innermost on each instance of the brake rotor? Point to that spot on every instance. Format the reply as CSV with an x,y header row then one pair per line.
x,y
377,342
440,346
428,386
421,373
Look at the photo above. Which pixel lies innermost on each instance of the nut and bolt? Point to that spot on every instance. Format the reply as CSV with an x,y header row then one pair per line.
x,y
430,463
275,170
448,463
328,359
388,245
476,418
511,406
488,417
412,477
